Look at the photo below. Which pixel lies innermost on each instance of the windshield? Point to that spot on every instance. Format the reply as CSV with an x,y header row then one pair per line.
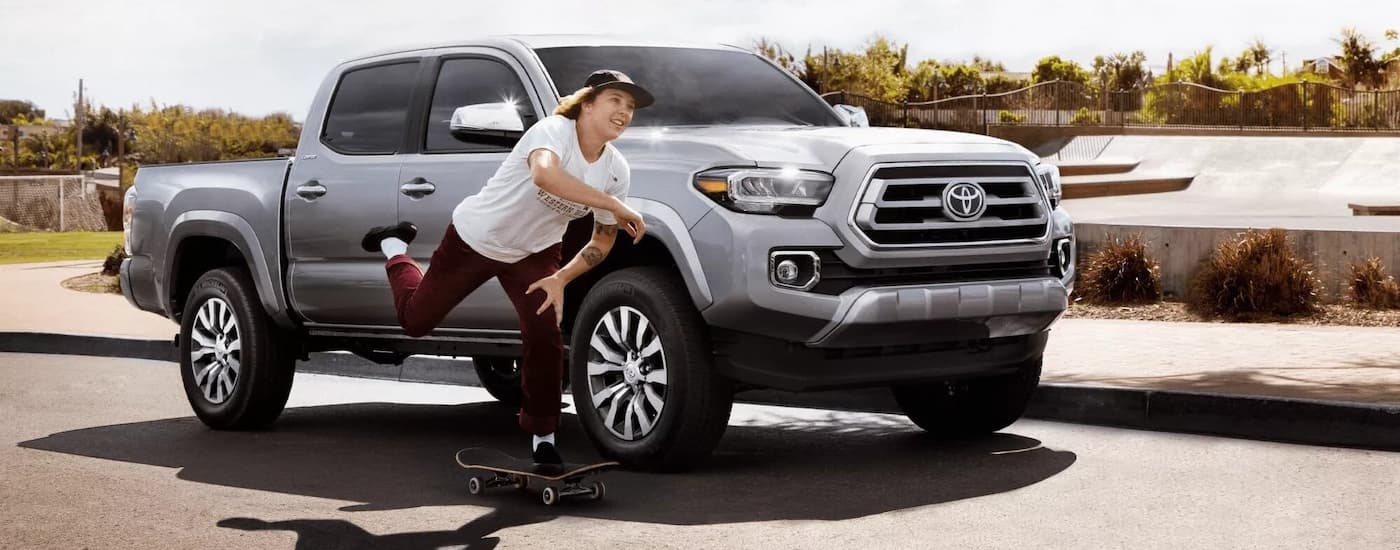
x,y
695,86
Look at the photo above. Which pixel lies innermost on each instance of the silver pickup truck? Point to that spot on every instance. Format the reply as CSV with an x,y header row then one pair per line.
x,y
789,246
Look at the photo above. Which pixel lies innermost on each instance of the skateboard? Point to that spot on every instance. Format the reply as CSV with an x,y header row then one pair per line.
x,y
498,469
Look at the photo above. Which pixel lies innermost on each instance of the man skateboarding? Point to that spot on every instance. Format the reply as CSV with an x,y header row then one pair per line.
x,y
563,167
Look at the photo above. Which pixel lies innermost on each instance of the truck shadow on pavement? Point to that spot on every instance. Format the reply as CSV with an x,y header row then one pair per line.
x,y
832,466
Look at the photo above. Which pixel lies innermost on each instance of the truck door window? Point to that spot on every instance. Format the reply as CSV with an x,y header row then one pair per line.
x,y
474,82
369,110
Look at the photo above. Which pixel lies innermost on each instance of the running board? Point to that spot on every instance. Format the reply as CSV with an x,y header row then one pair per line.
x,y
392,349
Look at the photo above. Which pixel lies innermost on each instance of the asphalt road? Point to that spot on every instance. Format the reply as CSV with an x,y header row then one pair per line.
x,y
105,453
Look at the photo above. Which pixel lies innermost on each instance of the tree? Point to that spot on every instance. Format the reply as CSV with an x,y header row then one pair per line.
x,y
11,108
986,65
922,81
1054,68
1197,69
1000,84
1260,55
880,72
775,51
1363,66
959,80
1121,71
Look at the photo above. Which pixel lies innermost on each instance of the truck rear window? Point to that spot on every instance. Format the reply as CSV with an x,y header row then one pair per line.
x,y
370,108
695,86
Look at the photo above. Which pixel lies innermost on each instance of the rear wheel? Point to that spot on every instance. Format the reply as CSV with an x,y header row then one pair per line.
x,y
235,363
969,408
500,376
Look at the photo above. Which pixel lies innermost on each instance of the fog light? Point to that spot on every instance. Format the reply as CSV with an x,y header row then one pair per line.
x,y
1064,256
787,272
792,269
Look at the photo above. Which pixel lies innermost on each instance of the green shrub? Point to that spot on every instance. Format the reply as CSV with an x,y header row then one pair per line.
x,y
1085,117
1008,117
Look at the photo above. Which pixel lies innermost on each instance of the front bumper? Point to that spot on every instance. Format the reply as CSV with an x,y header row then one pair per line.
x,y
942,313
771,363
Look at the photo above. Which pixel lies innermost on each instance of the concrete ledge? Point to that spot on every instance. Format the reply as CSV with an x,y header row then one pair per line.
x,y
1180,249
1374,209
1114,185
1095,167
1274,419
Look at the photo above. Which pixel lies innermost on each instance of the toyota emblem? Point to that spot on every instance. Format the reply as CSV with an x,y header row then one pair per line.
x,y
964,201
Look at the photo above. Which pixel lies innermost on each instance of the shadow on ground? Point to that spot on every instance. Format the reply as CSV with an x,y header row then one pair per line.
x,y
1382,384
314,534
392,456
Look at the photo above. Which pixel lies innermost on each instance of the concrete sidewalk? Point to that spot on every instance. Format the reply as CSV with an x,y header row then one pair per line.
x,y
1310,362
1123,362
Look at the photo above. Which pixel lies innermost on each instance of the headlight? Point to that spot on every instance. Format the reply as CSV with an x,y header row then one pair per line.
x,y
1049,176
766,191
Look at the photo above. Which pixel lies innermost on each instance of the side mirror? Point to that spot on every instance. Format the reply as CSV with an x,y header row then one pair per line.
x,y
487,123
853,115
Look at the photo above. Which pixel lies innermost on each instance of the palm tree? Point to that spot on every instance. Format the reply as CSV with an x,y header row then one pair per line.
x,y
1359,58
1261,55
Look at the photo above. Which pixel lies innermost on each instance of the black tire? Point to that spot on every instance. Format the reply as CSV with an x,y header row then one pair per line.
x,y
970,408
697,399
267,356
501,378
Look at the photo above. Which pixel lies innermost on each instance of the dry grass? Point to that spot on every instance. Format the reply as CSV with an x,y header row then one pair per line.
x,y
1371,287
1258,276
1326,315
1121,272
94,282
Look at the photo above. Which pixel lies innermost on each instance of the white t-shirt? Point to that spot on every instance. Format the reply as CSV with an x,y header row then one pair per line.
x,y
512,218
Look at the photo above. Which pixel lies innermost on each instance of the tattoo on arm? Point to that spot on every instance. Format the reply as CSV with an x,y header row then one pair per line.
x,y
592,256
604,230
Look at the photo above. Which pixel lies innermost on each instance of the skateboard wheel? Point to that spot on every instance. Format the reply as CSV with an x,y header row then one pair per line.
x,y
522,483
474,485
550,496
598,491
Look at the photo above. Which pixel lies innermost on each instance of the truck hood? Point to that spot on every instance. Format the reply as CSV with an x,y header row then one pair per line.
x,y
819,148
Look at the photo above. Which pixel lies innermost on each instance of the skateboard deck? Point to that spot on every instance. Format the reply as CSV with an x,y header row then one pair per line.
x,y
499,469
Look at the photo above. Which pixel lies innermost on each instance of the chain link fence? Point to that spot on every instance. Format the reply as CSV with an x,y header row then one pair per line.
x,y
50,203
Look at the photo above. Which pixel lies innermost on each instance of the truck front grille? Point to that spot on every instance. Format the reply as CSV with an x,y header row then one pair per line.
x,y
902,206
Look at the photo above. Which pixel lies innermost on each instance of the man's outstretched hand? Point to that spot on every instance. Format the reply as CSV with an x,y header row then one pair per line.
x,y
553,288
631,222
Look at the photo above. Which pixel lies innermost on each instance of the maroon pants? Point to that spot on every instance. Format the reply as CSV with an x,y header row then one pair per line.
x,y
456,271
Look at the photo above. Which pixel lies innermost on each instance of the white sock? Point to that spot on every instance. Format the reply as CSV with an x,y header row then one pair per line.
x,y
542,439
393,246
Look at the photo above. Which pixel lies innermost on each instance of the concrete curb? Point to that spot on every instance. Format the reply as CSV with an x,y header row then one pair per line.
x,y
1332,423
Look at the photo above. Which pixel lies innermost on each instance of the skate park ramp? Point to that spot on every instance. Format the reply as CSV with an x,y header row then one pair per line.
x,y
1245,181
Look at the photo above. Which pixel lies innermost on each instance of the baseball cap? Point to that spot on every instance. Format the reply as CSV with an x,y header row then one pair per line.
x,y
608,78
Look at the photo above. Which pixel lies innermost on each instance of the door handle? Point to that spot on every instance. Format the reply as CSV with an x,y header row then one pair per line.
x,y
417,188
311,190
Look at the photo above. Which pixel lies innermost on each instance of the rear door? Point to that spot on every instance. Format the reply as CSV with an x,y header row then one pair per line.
x,y
344,180
454,167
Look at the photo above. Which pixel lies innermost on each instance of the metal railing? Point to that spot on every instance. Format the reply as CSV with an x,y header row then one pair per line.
x,y
1304,106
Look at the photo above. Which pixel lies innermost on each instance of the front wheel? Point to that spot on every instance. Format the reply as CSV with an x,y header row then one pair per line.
x,y
646,391
235,364
969,408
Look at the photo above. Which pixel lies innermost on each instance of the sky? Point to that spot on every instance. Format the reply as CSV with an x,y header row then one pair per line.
x,y
258,57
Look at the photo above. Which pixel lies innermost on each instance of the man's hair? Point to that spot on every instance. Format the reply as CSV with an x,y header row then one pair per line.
x,y
572,105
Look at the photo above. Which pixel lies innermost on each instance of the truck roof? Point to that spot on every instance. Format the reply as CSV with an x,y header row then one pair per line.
x,y
539,41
